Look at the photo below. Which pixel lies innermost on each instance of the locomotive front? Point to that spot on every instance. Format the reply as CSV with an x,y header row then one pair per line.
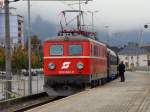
x,y
65,65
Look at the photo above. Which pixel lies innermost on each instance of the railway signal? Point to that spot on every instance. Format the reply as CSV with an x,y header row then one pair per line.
x,y
146,26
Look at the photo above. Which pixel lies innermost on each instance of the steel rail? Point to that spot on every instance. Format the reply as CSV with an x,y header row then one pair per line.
x,y
25,103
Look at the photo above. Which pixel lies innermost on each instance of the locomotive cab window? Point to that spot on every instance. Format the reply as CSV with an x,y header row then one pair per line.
x,y
75,49
56,50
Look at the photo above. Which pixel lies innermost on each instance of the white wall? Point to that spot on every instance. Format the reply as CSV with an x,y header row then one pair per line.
x,y
138,60
13,26
143,60
13,29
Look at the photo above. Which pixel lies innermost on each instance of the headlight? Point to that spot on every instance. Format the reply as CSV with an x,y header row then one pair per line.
x,y
51,66
80,65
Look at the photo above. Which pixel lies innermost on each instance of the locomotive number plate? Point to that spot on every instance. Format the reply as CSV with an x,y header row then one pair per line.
x,y
66,72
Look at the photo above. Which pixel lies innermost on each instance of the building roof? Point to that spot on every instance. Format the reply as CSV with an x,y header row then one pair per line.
x,y
147,47
132,49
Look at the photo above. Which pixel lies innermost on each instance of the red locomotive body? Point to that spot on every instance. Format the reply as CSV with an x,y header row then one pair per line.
x,y
71,63
74,59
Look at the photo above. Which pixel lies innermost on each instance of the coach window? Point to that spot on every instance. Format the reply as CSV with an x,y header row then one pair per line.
x,y
75,50
56,50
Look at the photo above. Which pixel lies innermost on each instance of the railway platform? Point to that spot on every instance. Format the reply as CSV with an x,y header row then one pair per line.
x,y
133,95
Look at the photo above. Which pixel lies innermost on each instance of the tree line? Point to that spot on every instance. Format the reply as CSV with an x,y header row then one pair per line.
x,y
20,56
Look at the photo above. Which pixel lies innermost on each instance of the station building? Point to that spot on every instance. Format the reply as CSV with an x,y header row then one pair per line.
x,y
16,29
134,56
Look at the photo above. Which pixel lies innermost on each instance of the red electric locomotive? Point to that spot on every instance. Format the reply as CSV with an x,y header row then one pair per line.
x,y
72,62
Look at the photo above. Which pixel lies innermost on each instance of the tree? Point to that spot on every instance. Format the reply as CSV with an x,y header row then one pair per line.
x,y
2,58
35,42
19,59
37,52
36,60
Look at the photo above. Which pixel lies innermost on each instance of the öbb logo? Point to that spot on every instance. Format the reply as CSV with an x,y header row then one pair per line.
x,y
65,65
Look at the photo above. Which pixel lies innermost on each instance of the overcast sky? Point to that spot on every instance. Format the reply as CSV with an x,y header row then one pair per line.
x,y
117,14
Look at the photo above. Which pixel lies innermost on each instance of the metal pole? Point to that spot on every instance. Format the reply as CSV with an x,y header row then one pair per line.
x,y
79,18
92,14
29,50
37,84
7,50
92,21
79,5
108,36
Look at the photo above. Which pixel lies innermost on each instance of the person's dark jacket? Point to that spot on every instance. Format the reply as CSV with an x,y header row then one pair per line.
x,y
121,68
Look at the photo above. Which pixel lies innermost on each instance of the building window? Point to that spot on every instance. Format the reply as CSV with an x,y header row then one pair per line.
x,y
19,35
19,23
127,64
19,41
137,63
19,29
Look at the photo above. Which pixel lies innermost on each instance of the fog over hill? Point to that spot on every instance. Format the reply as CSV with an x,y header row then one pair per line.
x,y
122,38
45,29
124,18
42,28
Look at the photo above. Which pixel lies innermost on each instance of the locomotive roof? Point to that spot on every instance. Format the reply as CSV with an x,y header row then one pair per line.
x,y
73,38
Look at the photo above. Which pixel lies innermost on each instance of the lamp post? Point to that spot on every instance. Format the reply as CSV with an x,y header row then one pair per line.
x,y
92,13
146,26
7,48
29,50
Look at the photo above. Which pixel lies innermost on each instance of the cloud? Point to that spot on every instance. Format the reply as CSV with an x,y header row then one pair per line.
x,y
42,28
124,16
119,14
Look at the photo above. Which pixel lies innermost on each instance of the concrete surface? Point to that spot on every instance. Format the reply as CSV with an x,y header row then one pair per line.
x,y
130,96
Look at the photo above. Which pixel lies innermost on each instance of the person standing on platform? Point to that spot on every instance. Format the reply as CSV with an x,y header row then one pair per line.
x,y
121,71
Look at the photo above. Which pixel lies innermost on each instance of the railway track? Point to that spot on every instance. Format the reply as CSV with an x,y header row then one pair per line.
x,y
26,103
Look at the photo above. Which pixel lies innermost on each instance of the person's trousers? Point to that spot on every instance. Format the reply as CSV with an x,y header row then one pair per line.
x,y
122,77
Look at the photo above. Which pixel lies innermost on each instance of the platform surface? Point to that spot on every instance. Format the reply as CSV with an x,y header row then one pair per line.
x,y
133,95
